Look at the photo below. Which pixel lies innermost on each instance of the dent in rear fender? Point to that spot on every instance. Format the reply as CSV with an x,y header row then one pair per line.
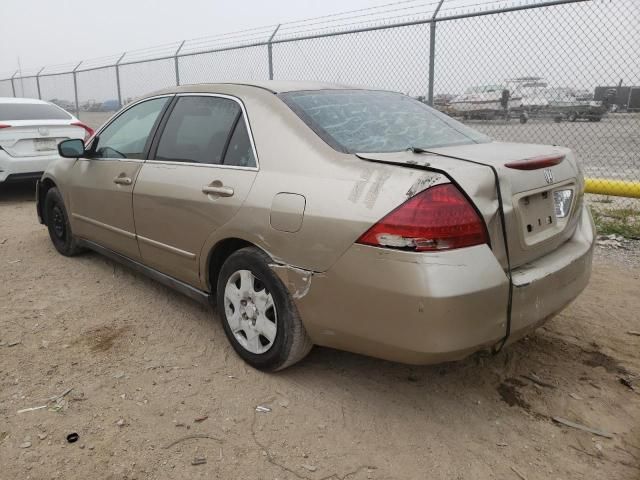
x,y
297,280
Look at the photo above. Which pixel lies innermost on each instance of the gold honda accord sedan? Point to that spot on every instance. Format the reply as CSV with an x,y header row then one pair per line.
x,y
321,214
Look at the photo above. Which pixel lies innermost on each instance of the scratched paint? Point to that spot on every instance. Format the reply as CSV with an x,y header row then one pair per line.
x,y
376,188
360,184
297,280
422,183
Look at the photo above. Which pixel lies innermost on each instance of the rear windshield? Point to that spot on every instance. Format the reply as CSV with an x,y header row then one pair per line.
x,y
31,111
369,121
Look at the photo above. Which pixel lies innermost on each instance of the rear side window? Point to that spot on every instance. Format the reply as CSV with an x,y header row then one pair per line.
x,y
369,121
31,111
198,130
240,152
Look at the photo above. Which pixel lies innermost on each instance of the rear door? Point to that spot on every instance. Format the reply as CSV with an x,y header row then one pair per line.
x,y
200,170
101,188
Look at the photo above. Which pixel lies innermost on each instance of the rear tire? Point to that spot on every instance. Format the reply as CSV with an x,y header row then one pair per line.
x,y
57,222
258,315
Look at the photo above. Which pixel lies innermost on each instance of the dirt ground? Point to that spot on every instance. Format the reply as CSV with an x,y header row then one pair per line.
x,y
155,386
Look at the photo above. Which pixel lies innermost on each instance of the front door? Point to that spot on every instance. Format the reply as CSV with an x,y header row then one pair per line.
x,y
201,169
100,194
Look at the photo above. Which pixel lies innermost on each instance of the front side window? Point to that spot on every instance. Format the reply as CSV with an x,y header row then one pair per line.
x,y
198,130
369,121
127,135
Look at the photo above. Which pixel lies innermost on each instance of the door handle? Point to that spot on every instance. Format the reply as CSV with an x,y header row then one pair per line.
x,y
122,181
219,190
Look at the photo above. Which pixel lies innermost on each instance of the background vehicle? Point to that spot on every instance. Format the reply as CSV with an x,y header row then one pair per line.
x,y
319,214
485,102
30,131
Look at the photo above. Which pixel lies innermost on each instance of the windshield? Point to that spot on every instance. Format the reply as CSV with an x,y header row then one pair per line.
x,y
31,111
368,121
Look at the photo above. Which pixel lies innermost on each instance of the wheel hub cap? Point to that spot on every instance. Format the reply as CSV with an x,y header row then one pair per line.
x,y
250,312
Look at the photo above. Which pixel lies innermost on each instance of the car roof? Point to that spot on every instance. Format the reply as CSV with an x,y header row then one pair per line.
x,y
22,100
274,86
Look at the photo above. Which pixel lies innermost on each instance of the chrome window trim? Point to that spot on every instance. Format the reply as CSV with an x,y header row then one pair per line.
x,y
116,116
245,117
109,159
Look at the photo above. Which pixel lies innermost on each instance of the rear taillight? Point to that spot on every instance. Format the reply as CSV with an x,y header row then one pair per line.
x,y
534,163
89,131
4,125
438,218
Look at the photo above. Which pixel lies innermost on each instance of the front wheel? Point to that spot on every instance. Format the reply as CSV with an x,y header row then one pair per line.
x,y
58,224
258,315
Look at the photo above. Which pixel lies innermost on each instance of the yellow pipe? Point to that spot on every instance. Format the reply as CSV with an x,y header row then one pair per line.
x,y
606,186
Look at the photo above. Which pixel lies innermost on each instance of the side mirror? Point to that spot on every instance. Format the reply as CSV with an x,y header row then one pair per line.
x,y
71,148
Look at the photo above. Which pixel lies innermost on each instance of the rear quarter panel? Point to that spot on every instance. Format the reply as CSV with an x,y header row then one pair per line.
x,y
344,195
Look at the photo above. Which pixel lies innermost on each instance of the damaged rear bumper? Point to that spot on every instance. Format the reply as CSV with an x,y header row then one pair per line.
x,y
425,308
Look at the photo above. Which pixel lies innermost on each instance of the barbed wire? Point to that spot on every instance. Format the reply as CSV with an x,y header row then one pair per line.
x,y
377,15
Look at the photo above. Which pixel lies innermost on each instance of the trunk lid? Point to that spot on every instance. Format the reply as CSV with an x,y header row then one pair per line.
x,y
529,196
28,138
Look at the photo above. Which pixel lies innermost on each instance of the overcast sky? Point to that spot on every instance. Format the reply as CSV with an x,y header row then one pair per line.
x,y
59,31
577,46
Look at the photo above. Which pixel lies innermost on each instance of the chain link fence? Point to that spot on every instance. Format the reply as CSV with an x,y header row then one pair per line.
x,y
563,72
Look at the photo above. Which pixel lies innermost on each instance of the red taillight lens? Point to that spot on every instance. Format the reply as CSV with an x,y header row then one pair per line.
x,y
439,218
4,125
534,163
89,131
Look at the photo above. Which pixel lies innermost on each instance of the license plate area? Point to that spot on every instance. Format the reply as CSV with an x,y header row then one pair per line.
x,y
45,144
537,213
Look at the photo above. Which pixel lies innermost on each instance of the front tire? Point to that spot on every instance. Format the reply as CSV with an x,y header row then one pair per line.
x,y
57,221
258,315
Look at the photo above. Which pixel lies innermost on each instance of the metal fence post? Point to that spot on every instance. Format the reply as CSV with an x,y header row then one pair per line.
x,y
75,89
270,51
432,51
177,63
13,87
118,80
38,82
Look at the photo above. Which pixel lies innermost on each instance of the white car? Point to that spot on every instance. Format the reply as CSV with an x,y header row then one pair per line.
x,y
30,131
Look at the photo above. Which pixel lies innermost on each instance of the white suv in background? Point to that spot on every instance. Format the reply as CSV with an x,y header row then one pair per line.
x,y
30,131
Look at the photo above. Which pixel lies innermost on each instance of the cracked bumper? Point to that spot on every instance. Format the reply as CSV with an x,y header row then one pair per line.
x,y
428,308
